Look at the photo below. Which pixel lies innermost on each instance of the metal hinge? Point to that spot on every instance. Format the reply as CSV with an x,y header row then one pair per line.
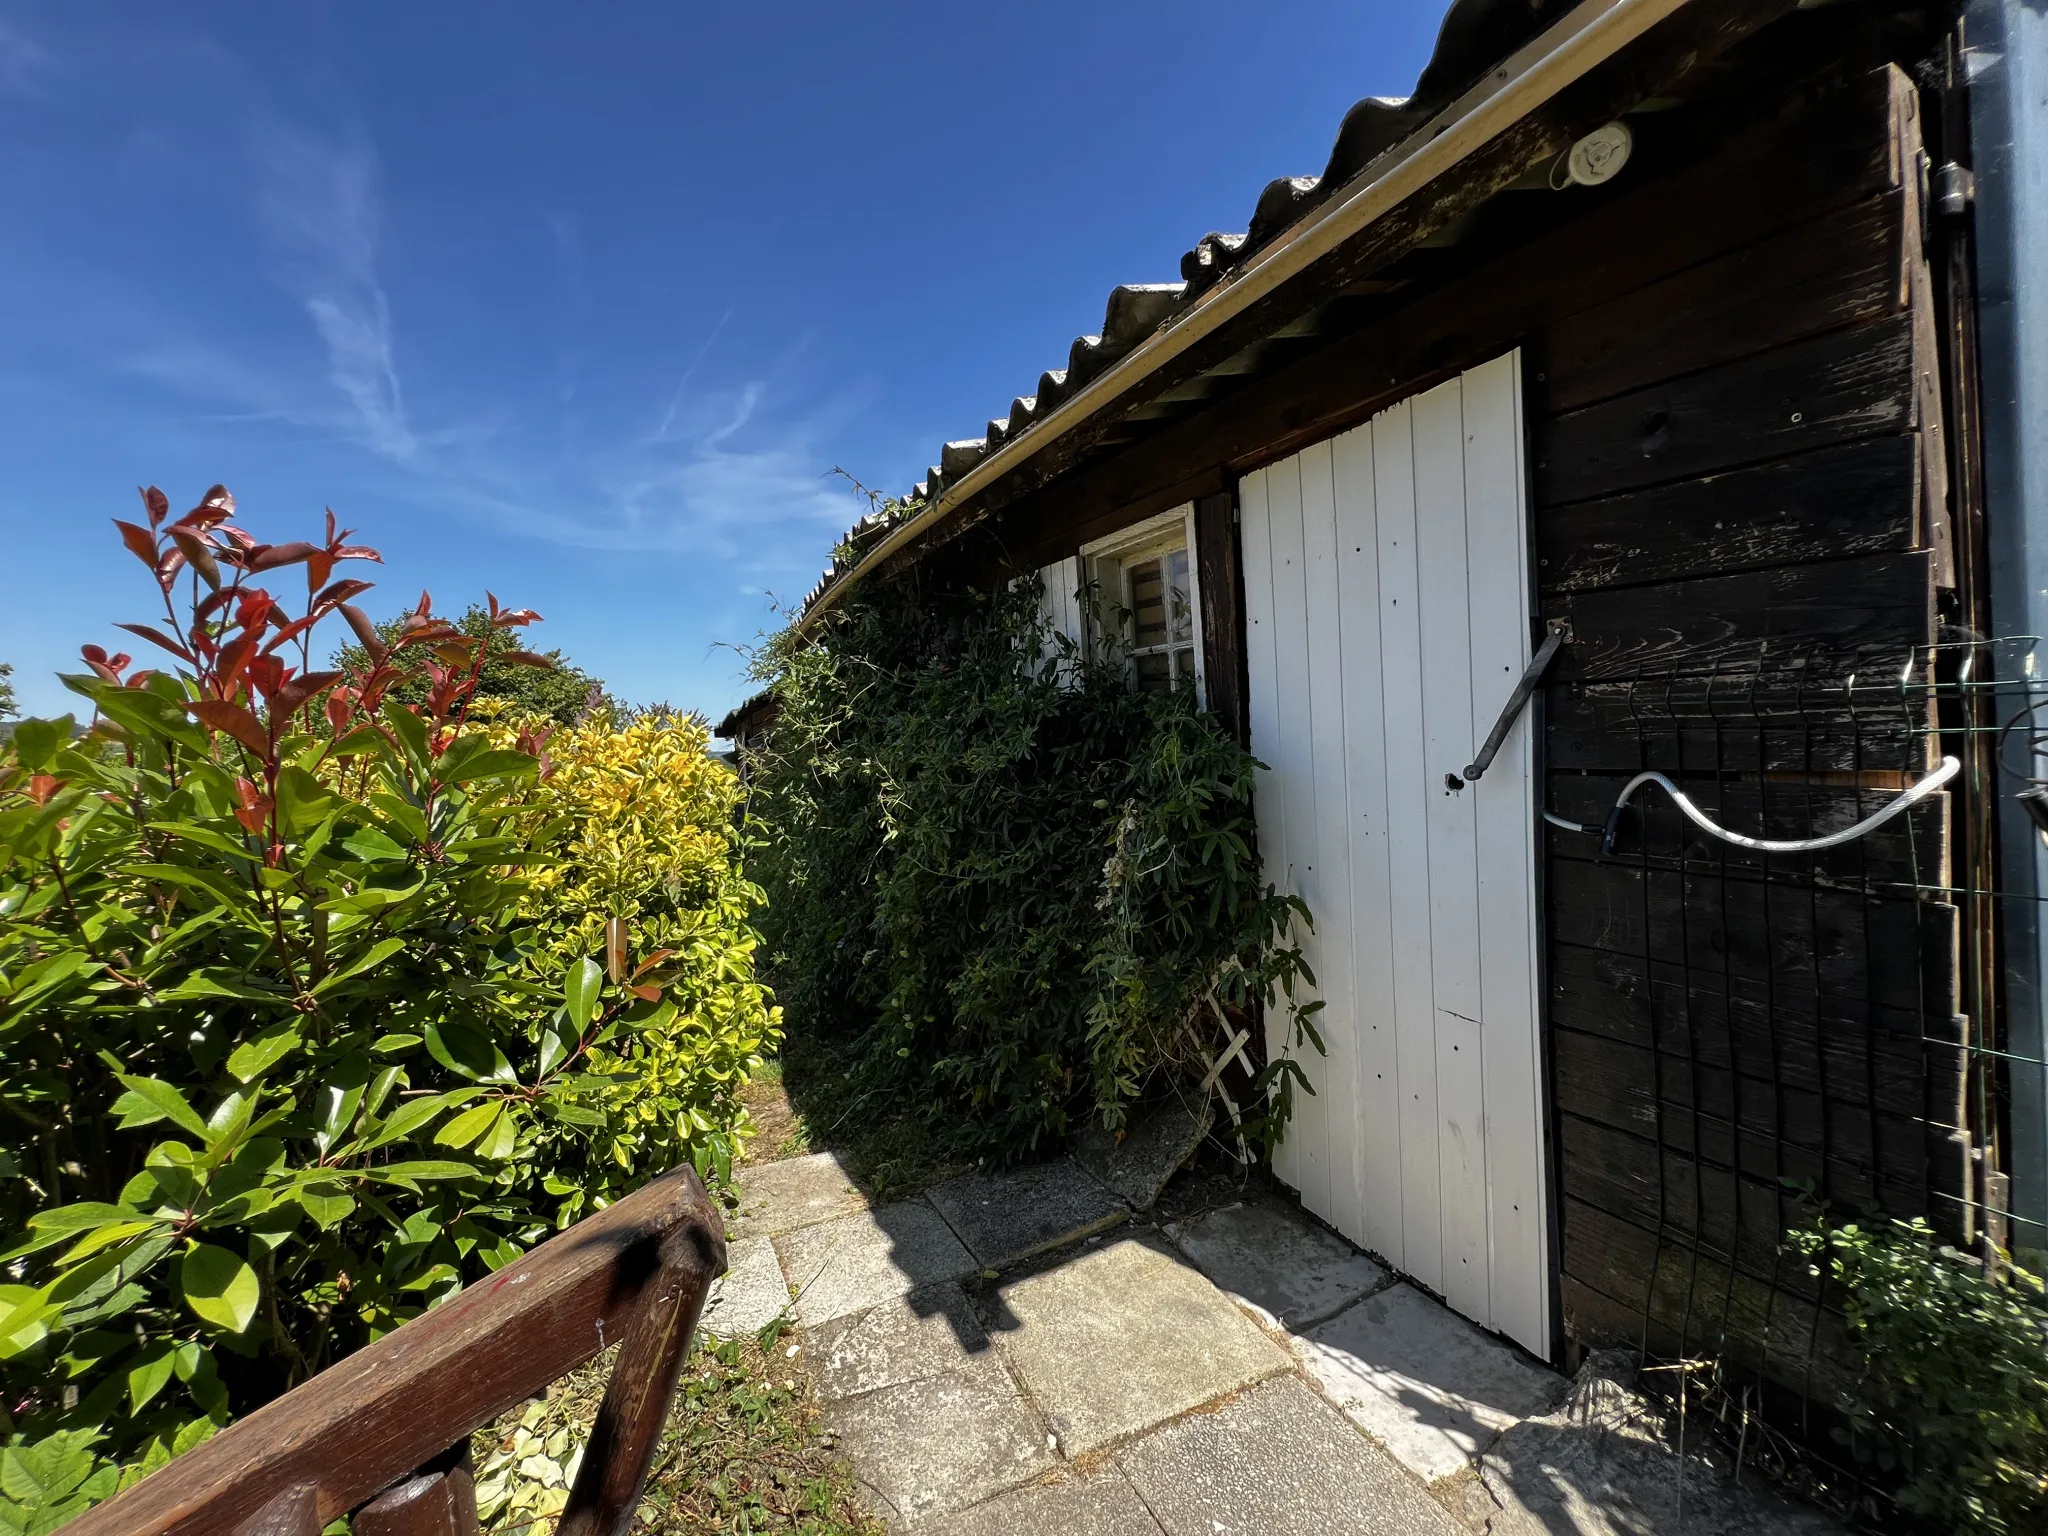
x,y
1955,189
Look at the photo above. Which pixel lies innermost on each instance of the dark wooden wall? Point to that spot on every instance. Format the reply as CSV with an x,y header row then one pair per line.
x,y
1740,501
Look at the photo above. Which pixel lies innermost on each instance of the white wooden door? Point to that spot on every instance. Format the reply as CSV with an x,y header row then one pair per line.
x,y
1387,607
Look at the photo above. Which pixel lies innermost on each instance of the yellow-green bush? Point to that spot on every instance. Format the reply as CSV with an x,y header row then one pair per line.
x,y
650,844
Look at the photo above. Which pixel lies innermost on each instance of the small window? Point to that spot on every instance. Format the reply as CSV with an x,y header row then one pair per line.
x,y
1158,594
1148,572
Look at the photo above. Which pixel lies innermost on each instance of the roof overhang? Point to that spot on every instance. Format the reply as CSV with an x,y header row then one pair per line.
x,y
1527,80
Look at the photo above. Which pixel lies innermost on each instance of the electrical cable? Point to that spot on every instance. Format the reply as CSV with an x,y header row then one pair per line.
x,y
1949,768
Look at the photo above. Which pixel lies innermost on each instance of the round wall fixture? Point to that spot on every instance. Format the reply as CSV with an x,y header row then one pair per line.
x,y
1600,155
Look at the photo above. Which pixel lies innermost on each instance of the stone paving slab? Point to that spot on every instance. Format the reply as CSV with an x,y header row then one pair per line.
x,y
856,1262
1426,1384
1278,1461
1136,1168
796,1192
750,1295
1121,1338
1100,1505
905,1339
1006,1217
1278,1262
928,1447
1606,1464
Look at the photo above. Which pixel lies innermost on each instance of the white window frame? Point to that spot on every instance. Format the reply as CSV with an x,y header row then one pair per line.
x,y
1103,561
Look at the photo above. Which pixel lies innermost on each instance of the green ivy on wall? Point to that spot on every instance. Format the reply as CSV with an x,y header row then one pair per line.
x,y
1026,891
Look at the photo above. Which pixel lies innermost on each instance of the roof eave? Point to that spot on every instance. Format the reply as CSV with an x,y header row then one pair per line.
x,y
1527,79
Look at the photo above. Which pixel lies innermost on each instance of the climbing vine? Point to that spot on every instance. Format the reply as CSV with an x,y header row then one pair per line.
x,y
1025,893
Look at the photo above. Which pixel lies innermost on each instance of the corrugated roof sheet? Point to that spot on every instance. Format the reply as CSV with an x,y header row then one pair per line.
x,y
1475,35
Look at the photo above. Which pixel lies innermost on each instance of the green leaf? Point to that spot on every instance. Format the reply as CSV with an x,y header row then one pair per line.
x,y
410,730
149,1375
252,1058
37,741
149,1100
422,1168
499,1142
372,846
375,955
494,763
220,984
151,714
327,1203
467,1052
24,1314
469,1125
220,1287
579,990
413,1114
384,1043
44,1474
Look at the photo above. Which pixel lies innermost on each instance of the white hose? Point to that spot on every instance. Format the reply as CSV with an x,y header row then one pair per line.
x,y
1949,768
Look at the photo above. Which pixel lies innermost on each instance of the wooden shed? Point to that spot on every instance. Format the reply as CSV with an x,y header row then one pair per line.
x,y
1645,327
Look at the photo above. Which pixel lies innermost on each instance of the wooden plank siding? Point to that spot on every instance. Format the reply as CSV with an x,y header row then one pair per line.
x,y
1740,502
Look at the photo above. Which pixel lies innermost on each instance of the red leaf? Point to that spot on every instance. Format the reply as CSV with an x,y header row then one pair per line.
x,y
255,808
342,591
234,720
290,632
293,695
514,618
241,540
140,541
158,637
254,610
268,557
216,506
319,566
227,670
366,632
157,505
646,994
197,550
357,552
528,659
341,708
167,568
107,667
266,674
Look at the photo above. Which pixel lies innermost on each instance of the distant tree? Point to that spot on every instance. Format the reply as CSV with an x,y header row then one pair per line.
x,y
562,692
8,709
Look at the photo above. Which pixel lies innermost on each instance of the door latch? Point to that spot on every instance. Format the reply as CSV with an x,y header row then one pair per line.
x,y
1560,634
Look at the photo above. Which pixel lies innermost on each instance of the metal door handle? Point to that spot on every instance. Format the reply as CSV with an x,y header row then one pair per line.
x,y
1560,634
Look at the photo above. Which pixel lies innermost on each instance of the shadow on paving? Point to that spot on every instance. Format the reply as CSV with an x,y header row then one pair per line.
x,y
1033,1350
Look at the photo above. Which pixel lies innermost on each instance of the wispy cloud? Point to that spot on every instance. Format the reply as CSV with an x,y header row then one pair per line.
x,y
320,212
743,484
26,66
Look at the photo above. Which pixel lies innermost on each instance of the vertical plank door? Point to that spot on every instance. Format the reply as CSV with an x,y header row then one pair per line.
x,y
1388,615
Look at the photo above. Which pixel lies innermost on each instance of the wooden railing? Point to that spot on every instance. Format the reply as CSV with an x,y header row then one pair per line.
x,y
384,1436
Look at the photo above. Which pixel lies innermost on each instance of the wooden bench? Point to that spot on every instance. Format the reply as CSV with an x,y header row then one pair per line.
x,y
383,1436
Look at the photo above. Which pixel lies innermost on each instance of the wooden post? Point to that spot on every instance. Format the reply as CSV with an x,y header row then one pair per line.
x,y
438,1500
636,1402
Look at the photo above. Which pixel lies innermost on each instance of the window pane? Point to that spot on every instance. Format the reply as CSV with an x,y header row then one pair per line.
x,y
1148,604
1183,611
1153,674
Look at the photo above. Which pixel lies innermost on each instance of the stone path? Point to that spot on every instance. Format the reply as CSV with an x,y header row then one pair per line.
x,y
1023,1353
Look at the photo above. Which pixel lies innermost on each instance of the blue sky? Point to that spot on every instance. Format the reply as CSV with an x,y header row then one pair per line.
x,y
583,303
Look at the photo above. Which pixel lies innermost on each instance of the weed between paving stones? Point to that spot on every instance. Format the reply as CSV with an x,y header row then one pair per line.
x,y
746,1452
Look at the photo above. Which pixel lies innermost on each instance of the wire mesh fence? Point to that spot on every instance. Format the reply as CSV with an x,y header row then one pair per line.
x,y
1851,1027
